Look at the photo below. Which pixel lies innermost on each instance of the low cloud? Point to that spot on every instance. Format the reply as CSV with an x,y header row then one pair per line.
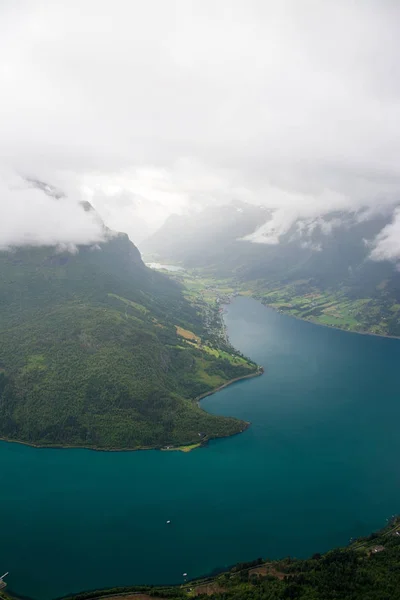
x,y
386,245
32,217
139,200
153,108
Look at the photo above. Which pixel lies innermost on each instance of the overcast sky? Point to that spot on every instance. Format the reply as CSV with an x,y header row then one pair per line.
x,y
148,107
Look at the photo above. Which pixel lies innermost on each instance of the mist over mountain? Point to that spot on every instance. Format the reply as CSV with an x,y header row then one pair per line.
x,y
272,110
91,353
36,213
206,236
337,254
257,144
248,240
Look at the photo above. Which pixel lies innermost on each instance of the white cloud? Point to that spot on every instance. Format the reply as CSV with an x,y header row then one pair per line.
x,y
386,246
31,217
306,211
139,200
156,107
311,246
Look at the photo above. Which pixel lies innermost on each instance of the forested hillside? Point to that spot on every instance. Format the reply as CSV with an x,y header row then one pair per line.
x,y
90,352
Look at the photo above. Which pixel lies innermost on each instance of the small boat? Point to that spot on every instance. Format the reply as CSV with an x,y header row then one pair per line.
x,y
184,574
168,522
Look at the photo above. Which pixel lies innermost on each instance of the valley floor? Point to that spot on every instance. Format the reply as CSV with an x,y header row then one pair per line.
x,y
369,316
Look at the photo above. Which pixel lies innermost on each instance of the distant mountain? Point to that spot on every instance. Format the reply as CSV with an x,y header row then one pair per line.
x,y
320,256
93,352
207,237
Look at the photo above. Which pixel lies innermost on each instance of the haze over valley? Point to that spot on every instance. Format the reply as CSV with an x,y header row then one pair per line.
x,y
321,269
188,192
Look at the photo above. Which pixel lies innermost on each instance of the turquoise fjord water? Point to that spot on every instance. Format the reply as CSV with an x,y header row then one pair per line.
x,y
319,464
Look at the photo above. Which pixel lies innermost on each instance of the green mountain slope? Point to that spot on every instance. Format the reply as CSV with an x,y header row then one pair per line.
x,y
320,269
90,353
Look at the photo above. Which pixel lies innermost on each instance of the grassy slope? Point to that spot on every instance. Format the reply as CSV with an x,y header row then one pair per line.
x,y
90,354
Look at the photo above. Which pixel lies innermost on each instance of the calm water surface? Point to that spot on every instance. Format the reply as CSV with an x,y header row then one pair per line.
x,y
319,464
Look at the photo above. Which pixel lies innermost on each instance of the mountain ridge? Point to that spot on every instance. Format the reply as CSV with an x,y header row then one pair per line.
x,y
91,353
320,269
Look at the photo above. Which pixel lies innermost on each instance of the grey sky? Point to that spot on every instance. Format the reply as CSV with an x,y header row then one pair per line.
x,y
151,107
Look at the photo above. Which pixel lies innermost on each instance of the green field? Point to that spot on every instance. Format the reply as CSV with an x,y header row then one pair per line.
x,y
300,299
331,309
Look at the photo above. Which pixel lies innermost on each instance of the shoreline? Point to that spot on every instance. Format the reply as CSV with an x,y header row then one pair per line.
x,y
162,448
287,314
249,294
366,542
260,371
